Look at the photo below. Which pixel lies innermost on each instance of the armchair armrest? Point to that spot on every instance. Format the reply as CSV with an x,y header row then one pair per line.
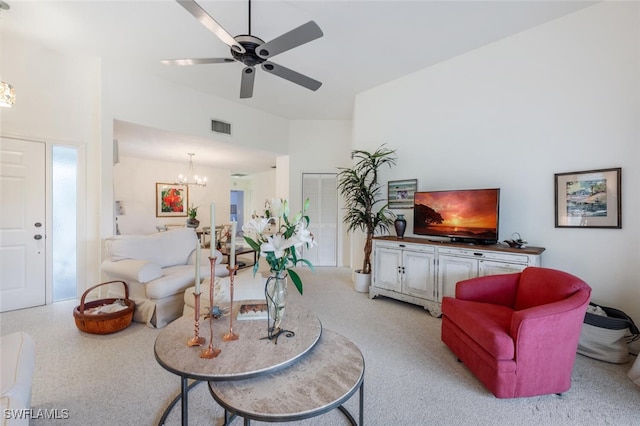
x,y
556,318
494,289
128,270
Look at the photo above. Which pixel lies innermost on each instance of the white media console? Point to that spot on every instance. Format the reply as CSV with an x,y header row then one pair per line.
x,y
422,271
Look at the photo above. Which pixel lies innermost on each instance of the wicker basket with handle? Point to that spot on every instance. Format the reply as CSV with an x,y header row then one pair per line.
x,y
103,323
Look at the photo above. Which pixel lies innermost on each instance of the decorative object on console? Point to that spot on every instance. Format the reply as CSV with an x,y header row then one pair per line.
x,y
362,193
516,241
400,193
192,222
281,252
401,225
191,179
171,200
589,199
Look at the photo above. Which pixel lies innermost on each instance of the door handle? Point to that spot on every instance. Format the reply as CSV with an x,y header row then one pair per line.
x,y
37,237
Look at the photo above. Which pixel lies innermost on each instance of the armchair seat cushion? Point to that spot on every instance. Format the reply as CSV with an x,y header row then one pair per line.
x,y
488,325
175,280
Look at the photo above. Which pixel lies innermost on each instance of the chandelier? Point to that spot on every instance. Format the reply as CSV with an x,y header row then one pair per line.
x,y
191,178
7,95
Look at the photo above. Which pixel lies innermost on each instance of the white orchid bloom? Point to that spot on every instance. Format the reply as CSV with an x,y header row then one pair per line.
x,y
276,244
255,226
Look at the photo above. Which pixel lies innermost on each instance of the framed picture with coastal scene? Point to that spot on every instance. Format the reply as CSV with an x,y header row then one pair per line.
x,y
400,193
171,200
589,199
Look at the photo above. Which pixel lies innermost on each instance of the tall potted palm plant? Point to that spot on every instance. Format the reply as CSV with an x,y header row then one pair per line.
x,y
363,197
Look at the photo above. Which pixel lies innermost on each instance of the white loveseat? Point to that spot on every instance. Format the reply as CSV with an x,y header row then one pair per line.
x,y
157,268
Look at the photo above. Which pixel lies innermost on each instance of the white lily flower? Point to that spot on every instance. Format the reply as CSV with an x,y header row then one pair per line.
x,y
304,236
276,244
277,207
255,226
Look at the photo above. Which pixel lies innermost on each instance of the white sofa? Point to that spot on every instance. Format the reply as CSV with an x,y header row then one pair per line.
x,y
157,269
17,362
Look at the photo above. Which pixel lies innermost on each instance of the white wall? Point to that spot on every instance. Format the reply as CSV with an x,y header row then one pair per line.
x,y
56,103
149,101
135,185
561,97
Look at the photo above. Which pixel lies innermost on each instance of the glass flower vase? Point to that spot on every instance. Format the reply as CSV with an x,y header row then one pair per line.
x,y
276,295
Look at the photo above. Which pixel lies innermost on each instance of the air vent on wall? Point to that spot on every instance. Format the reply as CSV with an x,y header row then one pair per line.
x,y
220,127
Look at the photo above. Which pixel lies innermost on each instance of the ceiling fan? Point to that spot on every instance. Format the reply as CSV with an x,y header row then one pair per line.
x,y
252,51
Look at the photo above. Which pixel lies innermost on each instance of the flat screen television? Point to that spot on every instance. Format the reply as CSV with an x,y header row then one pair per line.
x,y
468,215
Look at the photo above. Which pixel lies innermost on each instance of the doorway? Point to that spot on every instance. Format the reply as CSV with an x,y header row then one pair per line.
x,y
321,190
237,207
23,247
38,223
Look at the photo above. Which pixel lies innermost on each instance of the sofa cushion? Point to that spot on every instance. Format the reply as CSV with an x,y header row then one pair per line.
x,y
175,279
130,270
488,325
17,362
164,248
541,286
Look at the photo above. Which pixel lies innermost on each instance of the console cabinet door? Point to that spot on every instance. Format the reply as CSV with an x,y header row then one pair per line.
x,y
387,268
452,269
488,267
419,274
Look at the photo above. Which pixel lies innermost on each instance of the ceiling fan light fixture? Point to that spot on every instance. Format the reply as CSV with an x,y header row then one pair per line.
x,y
251,50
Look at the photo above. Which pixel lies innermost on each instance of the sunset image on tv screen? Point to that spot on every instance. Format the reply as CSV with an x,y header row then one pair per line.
x,y
469,213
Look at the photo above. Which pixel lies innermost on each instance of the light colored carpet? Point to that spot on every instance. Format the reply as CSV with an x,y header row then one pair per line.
x,y
411,377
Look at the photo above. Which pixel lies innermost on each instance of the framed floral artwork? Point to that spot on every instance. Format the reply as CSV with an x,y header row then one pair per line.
x,y
589,199
171,200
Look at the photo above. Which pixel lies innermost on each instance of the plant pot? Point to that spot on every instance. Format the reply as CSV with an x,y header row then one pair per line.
x,y
193,223
361,282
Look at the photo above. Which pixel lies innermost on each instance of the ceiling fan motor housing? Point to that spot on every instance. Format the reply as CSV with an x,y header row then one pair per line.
x,y
250,57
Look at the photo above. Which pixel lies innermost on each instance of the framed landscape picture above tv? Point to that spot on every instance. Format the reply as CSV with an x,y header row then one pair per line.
x,y
401,192
589,199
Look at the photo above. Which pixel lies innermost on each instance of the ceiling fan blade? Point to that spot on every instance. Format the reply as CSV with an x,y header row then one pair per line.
x,y
292,76
287,41
205,19
246,84
197,61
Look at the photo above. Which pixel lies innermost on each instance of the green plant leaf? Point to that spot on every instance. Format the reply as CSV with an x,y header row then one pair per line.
x,y
296,279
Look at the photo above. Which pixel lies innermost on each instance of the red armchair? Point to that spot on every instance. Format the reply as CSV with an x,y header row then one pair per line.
x,y
517,333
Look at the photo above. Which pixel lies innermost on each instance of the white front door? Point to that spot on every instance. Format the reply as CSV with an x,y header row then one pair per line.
x,y
22,224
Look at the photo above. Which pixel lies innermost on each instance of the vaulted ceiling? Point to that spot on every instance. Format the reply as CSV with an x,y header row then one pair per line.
x,y
365,43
